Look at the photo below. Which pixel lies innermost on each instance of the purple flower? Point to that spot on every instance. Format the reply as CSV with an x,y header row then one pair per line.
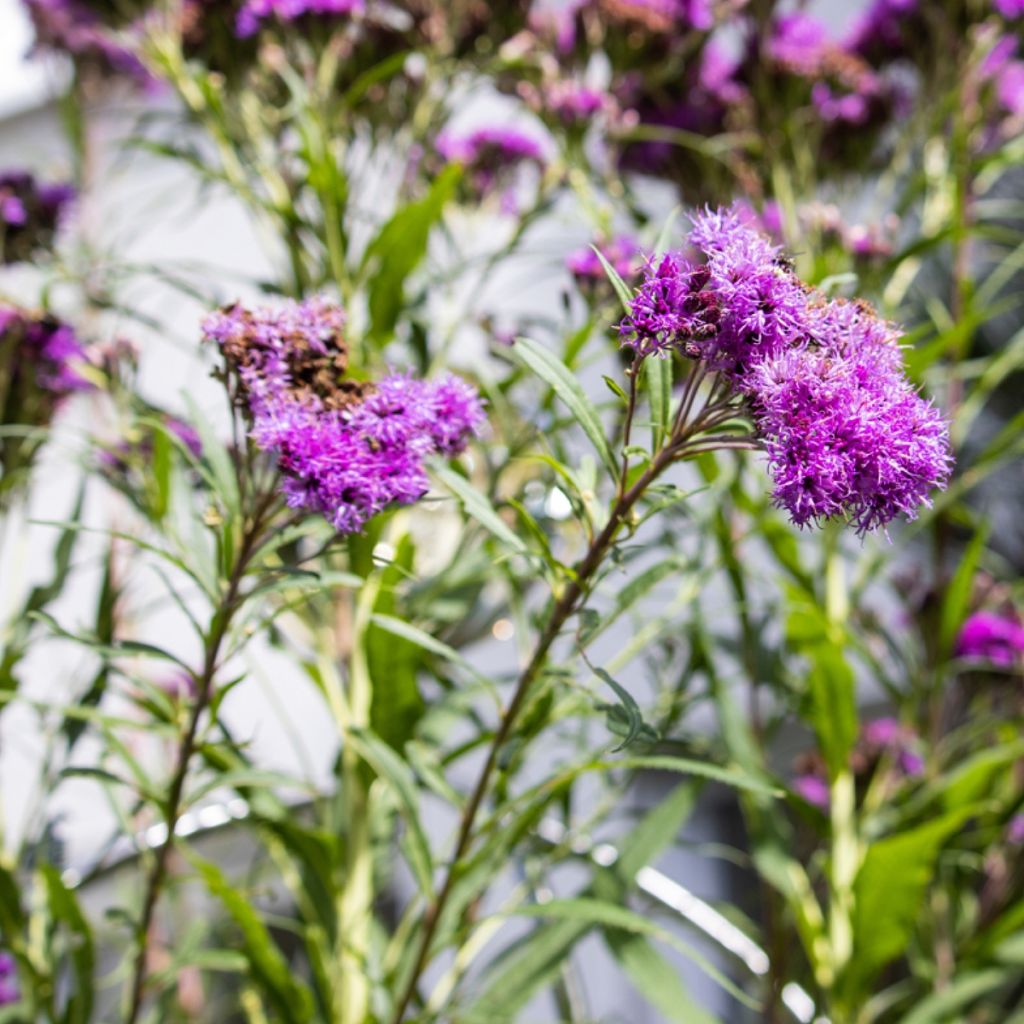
x,y
885,32
989,636
571,102
890,736
9,992
883,732
30,213
1009,8
673,309
798,43
255,13
490,157
45,353
845,433
1015,830
77,28
814,789
346,450
622,253
294,349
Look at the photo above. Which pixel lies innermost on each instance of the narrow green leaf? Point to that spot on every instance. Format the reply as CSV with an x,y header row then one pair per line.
x,y
738,778
658,375
565,384
958,594
655,979
269,969
625,296
888,893
65,909
398,250
394,656
477,506
393,770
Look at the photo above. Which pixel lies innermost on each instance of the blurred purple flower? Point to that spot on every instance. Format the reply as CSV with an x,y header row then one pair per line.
x,y
46,353
885,31
1015,830
490,157
798,42
254,13
813,789
571,102
30,213
622,253
890,736
1009,8
989,636
77,28
883,732
9,992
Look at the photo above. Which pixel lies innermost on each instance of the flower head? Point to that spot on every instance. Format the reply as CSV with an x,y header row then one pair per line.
x,y
845,433
9,992
814,789
993,637
491,157
622,253
254,14
85,32
45,353
30,213
347,449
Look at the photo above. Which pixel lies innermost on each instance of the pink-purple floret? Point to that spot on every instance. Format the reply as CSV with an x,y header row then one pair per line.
x,y
992,637
30,213
9,992
255,13
48,349
622,253
846,434
352,463
73,27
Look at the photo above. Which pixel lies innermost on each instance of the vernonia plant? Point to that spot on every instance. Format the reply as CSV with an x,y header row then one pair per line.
x,y
507,514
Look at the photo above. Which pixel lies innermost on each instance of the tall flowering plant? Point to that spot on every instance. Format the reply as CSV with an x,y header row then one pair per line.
x,y
492,530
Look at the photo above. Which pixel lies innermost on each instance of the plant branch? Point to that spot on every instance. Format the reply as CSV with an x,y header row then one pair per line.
x,y
204,688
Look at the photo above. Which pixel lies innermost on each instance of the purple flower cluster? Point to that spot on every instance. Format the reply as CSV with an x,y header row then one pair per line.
x,y
490,156
845,433
255,13
843,87
45,353
622,253
1003,72
348,450
881,739
885,31
992,637
9,992
79,29
30,213
571,102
